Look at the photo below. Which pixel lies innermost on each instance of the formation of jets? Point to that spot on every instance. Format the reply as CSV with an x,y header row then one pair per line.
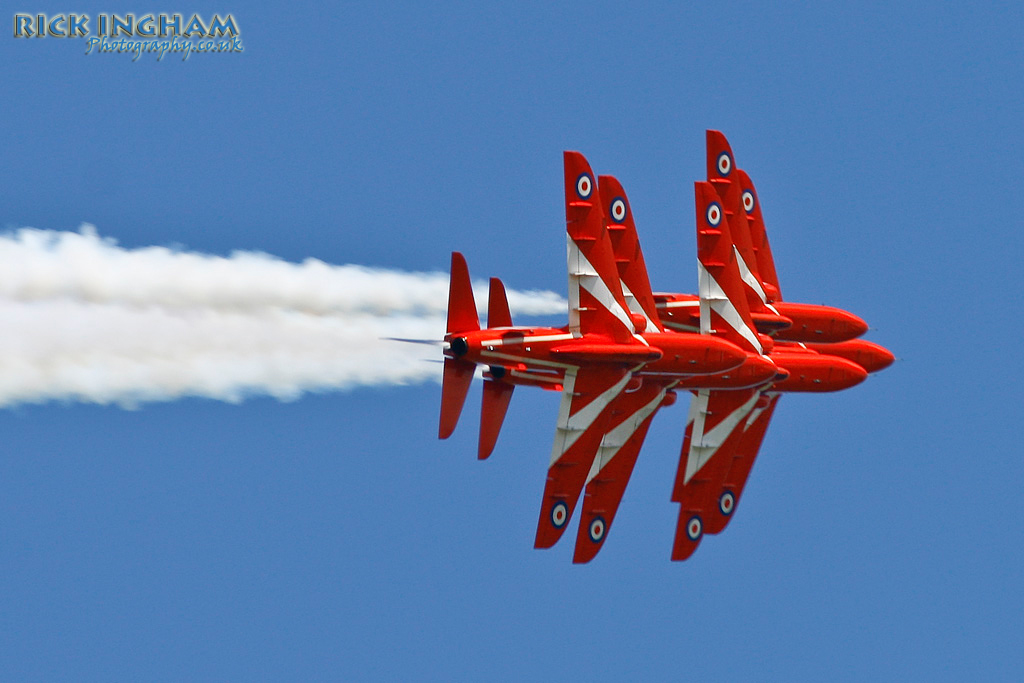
x,y
627,351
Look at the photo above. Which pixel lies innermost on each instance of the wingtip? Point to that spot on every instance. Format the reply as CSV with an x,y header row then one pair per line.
x,y
580,557
689,533
588,547
554,519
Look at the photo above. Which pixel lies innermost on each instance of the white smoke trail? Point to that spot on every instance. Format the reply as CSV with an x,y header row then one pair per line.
x,y
45,264
85,320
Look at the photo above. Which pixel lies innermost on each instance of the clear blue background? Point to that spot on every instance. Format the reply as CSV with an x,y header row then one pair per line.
x,y
335,538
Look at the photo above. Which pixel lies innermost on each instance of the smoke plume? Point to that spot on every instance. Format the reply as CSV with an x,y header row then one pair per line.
x,y
86,320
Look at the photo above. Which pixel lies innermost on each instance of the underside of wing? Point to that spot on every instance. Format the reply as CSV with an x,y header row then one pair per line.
x,y
583,419
714,431
730,489
630,419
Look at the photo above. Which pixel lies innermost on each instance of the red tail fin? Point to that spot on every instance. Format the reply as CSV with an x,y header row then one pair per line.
x,y
724,176
759,238
596,304
461,306
629,258
498,314
723,300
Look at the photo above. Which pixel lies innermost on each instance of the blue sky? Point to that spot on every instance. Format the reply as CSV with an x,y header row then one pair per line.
x,y
333,537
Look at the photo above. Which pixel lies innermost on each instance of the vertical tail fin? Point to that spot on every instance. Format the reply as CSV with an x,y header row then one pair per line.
x,y
498,314
629,258
724,176
759,238
596,304
458,373
461,306
723,301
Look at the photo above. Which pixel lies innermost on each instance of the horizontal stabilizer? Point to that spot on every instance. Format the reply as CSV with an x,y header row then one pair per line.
x,y
458,375
497,395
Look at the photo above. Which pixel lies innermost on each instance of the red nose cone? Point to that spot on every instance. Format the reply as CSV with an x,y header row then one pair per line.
x,y
851,325
761,368
817,372
882,358
726,353
846,374
869,355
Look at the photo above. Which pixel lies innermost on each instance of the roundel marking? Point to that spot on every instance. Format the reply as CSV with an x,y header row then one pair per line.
x,y
559,514
714,214
694,528
584,186
724,164
618,210
748,201
727,503
597,529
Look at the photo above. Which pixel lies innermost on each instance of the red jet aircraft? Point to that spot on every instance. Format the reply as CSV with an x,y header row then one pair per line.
x,y
626,351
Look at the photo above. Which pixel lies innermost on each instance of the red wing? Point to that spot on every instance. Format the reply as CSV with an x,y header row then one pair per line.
x,y
731,487
631,417
583,418
713,433
596,303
